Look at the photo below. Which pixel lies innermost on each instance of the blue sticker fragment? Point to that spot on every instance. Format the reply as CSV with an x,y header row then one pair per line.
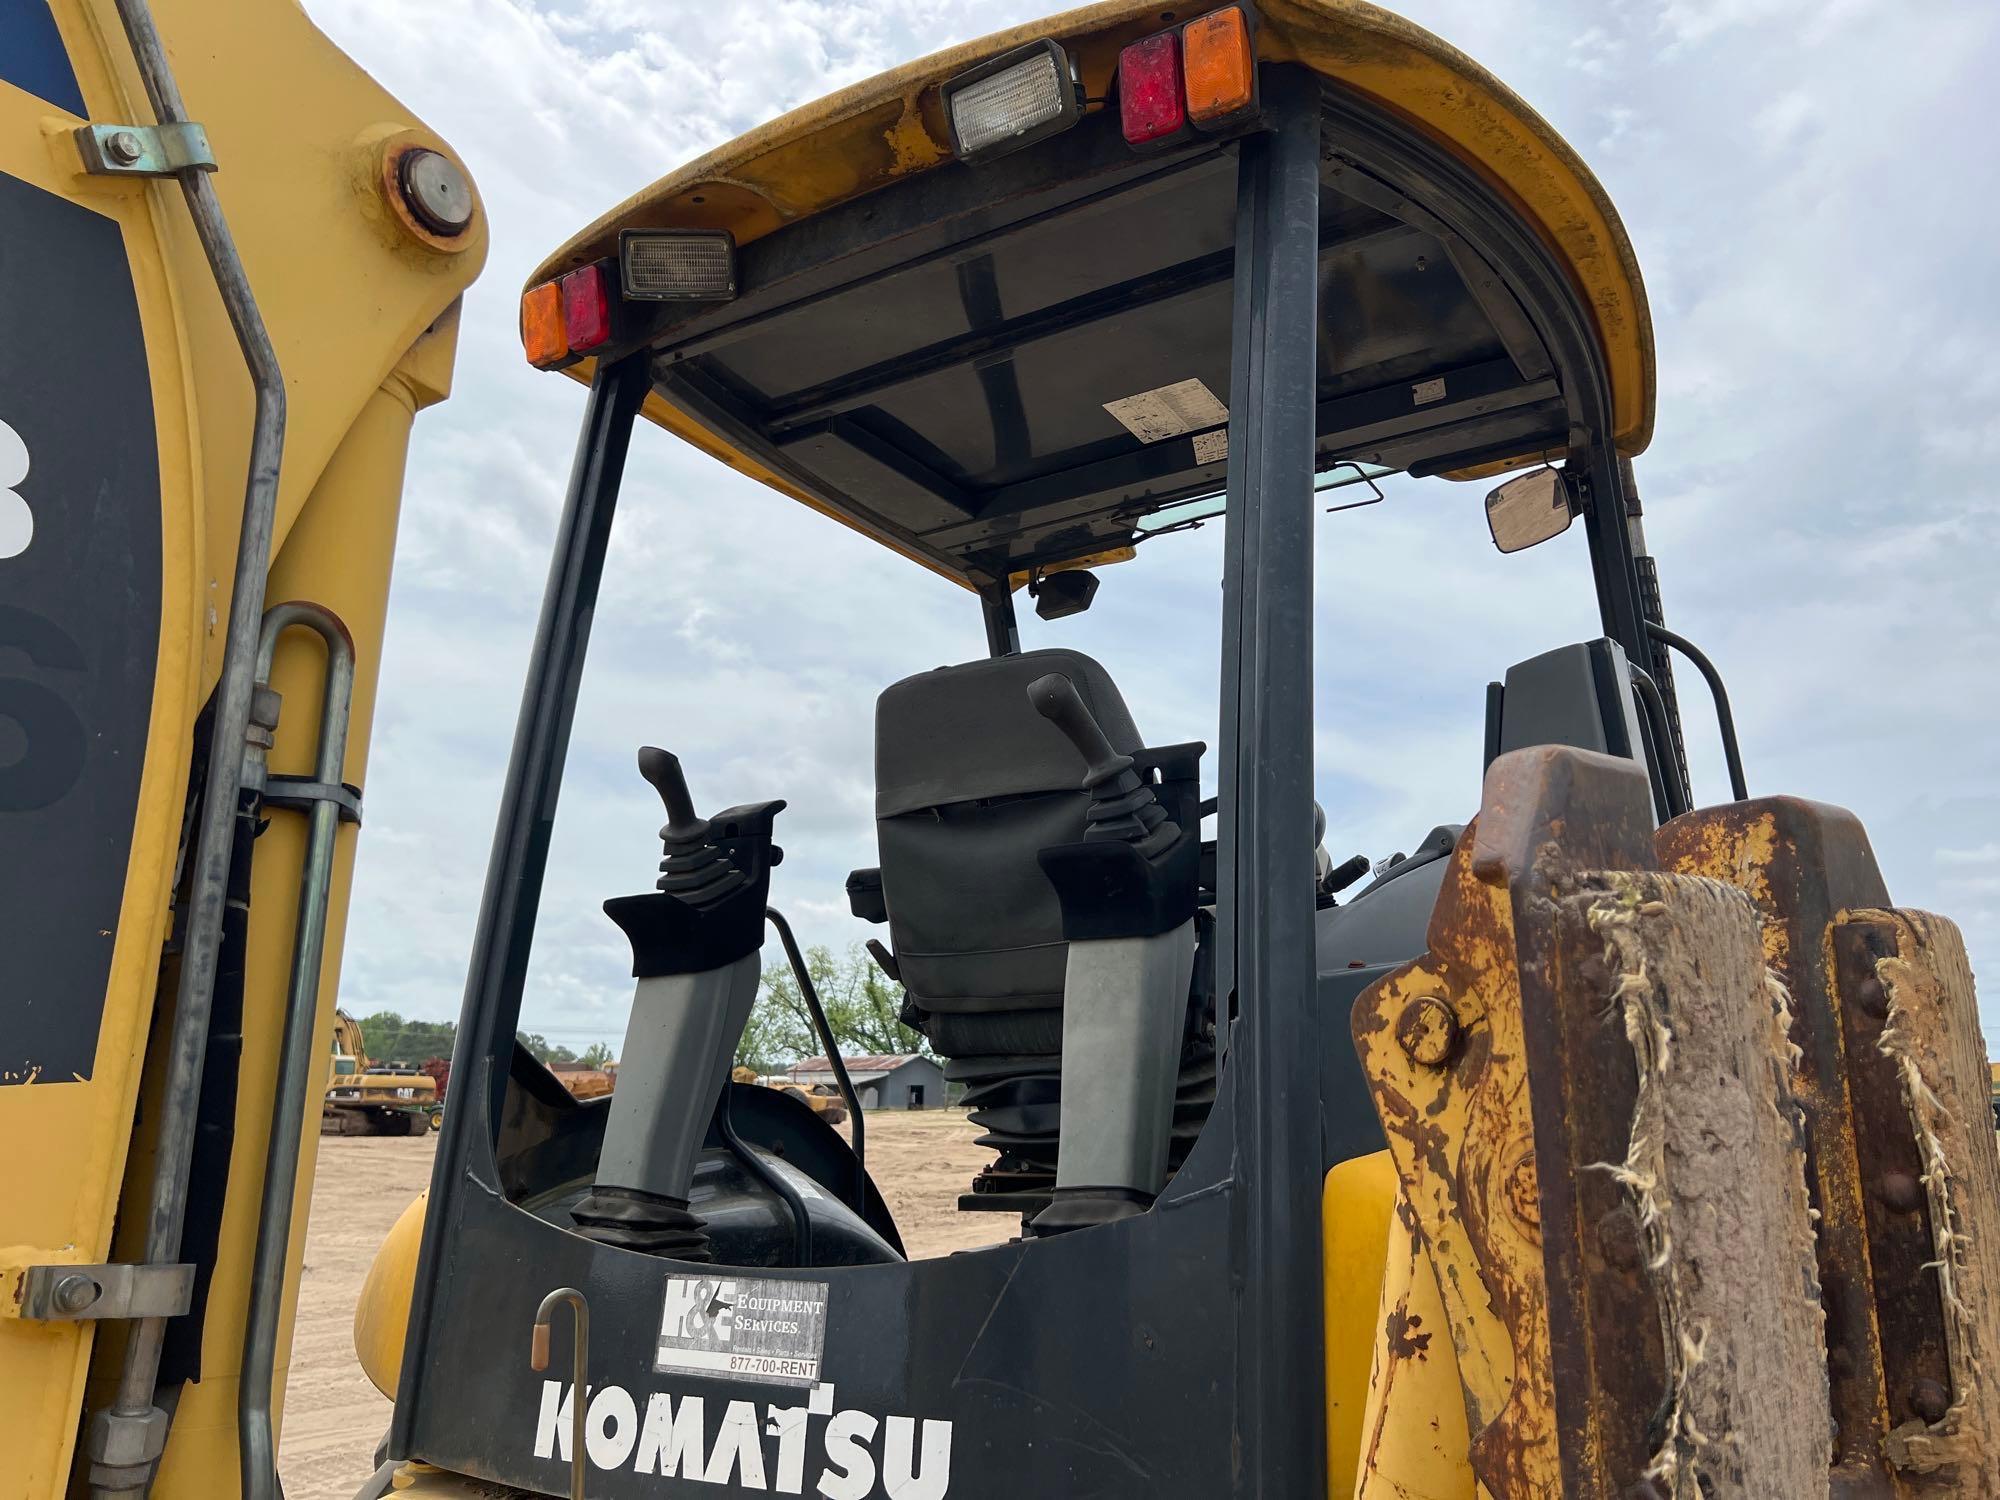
x,y
32,55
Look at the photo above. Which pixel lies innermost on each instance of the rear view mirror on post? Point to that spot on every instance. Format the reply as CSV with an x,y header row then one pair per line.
x,y
1528,509
1061,595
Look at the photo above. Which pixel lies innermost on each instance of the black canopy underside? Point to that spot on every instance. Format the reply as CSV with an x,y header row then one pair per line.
x,y
934,361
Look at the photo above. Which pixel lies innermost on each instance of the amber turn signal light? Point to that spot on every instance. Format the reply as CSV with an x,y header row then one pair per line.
x,y
1220,68
542,336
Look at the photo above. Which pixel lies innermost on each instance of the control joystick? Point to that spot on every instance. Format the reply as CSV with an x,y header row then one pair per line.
x,y
1123,808
695,941
692,867
1128,891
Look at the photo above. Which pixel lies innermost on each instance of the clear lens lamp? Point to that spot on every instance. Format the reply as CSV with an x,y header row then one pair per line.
x,y
1012,101
681,265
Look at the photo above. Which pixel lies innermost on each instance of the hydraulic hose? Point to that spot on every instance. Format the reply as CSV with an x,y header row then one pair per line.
x,y
1666,783
810,995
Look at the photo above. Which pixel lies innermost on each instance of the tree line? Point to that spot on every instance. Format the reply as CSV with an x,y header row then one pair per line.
x,y
860,1001
862,1006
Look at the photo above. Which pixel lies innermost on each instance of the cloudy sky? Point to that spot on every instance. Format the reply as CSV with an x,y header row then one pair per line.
x,y
1810,187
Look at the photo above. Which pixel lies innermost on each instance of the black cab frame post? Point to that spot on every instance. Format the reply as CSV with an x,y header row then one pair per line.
x,y
1615,569
1265,823
506,927
1003,635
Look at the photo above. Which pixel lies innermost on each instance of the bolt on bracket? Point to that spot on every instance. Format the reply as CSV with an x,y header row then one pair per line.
x,y
144,150
71,1294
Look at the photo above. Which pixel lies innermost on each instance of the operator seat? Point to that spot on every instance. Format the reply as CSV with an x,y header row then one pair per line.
x,y
971,784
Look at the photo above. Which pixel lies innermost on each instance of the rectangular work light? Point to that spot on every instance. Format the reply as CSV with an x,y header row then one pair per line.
x,y
677,265
1012,101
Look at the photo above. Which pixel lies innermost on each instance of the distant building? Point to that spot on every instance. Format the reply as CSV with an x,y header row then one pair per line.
x,y
881,1080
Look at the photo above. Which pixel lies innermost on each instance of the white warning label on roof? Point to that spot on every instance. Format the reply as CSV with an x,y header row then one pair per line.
x,y
1169,411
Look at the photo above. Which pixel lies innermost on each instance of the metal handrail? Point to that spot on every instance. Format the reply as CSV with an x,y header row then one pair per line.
x,y
579,1389
299,1051
1732,753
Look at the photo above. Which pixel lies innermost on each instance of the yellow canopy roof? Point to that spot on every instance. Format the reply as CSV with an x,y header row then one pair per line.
x,y
892,126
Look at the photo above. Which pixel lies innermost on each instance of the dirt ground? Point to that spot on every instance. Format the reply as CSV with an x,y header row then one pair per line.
x,y
334,1417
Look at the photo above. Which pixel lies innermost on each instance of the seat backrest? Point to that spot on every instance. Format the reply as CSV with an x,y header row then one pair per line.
x,y
971,783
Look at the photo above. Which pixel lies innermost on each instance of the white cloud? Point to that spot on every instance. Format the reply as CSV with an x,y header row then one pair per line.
x,y
1595,51
1694,22
1800,181
1782,120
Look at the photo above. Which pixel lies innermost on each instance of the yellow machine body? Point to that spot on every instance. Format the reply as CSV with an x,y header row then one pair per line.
x,y
1441,1315
382,1313
363,310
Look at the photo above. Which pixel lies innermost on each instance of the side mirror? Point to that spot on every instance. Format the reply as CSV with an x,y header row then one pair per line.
x,y
1528,509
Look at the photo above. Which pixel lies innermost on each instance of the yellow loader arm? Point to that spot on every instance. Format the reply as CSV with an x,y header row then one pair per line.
x,y
186,194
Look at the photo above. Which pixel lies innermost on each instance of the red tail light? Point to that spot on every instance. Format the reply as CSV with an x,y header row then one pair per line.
x,y
1151,100
586,307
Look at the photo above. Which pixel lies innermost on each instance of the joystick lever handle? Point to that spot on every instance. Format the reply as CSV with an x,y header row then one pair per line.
x,y
1123,808
662,770
695,868
1056,699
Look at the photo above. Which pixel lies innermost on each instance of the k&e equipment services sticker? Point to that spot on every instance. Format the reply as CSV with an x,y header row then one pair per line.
x,y
743,1328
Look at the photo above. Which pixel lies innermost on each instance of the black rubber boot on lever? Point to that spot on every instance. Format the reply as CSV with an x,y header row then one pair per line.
x,y
1128,893
692,868
695,944
1123,808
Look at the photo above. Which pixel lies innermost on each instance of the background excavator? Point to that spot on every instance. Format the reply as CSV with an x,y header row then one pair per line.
x,y
827,1105
1607,1145
366,1097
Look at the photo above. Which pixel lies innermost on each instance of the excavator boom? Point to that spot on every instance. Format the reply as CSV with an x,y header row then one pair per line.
x,y
216,327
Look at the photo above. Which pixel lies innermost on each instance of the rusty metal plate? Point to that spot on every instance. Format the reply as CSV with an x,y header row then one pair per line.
x,y
1552,816
1454,1106
1803,863
1507,1085
1927,1153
